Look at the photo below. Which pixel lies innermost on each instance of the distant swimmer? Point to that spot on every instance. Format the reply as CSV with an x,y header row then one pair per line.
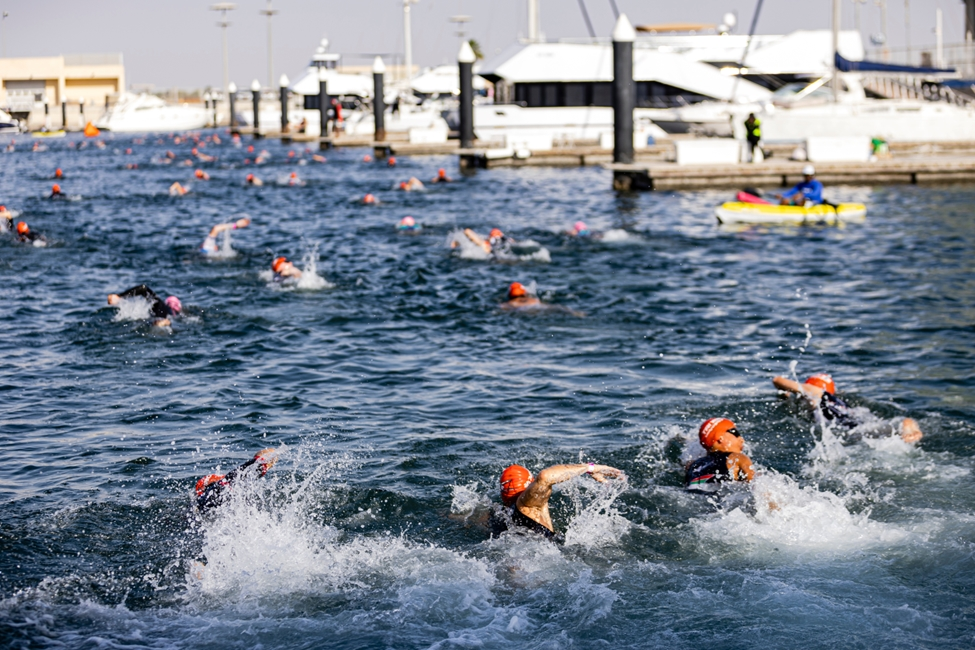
x,y
319,158
283,269
162,310
496,242
807,193
370,199
294,181
391,162
724,462
441,177
519,298
820,391
6,219
58,173
27,236
201,175
210,246
411,185
408,225
581,230
367,158
213,489
56,192
525,498
251,179
177,190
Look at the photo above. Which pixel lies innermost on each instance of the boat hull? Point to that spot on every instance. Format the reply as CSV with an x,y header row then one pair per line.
x,y
757,213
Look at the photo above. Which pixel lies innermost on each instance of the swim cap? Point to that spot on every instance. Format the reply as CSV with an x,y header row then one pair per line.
x,y
278,263
294,175
441,172
206,481
581,226
367,158
495,232
199,173
369,198
22,228
403,185
56,189
713,428
824,381
808,170
173,303
514,480
3,208
516,289
250,177
58,173
407,222
392,161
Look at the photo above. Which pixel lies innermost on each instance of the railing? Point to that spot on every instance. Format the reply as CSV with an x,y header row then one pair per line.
x,y
960,56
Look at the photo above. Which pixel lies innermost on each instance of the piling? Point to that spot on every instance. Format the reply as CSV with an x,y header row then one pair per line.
x,y
465,64
324,142
624,98
232,98
64,115
379,98
81,110
256,98
283,83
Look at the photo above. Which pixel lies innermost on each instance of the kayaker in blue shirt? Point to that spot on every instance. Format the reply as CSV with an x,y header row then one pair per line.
x,y
808,192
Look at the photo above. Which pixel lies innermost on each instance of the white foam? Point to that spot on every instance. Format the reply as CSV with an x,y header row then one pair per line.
x,y
615,235
133,309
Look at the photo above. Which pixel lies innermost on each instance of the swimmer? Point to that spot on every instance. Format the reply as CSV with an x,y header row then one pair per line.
x,y
391,162
519,298
211,490
370,199
581,230
411,185
56,192
441,177
283,269
724,462
201,175
177,190
6,219
408,225
251,179
496,242
525,498
820,391
26,236
209,245
162,310
294,181
367,158
319,158
58,173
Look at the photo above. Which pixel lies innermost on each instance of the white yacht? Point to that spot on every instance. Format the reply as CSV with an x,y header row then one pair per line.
x,y
148,113
8,124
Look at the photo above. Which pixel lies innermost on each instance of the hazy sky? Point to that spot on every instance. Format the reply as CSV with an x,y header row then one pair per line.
x,y
177,42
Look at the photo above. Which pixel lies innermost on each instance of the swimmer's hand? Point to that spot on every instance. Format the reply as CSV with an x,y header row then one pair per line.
x,y
600,473
113,299
162,322
243,222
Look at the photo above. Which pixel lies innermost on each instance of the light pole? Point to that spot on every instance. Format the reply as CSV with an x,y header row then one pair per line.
x,y
270,51
223,8
408,37
3,33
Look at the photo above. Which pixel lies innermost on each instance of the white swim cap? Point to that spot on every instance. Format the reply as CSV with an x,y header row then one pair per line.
x,y
808,170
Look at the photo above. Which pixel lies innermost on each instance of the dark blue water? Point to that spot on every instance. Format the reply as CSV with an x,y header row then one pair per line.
x,y
399,390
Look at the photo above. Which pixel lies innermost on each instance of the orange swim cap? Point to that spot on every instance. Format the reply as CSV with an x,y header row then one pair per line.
x,y
22,228
249,178
713,428
207,480
442,172
516,289
391,161
824,381
58,173
199,173
514,480
403,185
369,198
294,175
56,189
495,232
278,263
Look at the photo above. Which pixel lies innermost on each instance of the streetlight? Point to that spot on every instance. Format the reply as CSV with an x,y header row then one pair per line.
x,y
223,8
408,37
270,56
3,33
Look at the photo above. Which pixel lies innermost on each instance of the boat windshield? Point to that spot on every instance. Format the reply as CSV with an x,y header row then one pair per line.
x,y
789,91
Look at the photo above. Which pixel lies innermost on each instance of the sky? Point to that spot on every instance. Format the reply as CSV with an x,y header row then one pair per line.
x,y
177,43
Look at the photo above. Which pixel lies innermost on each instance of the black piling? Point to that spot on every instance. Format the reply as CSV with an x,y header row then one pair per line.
x,y
64,115
232,99
624,99
324,102
256,98
379,99
283,82
465,64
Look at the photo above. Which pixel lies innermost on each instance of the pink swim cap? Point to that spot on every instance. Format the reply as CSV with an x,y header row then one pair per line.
x,y
408,221
580,226
173,303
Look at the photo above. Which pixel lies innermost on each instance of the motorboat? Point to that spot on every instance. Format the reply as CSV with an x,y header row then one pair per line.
x,y
8,124
147,113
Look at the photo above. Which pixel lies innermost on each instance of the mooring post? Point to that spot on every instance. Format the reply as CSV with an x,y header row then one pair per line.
x,y
283,82
379,100
624,99
64,115
325,142
232,99
465,64
256,98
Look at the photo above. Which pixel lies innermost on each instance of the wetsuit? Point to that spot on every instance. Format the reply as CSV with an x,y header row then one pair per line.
x,y
707,470
30,237
510,518
156,305
215,493
209,246
811,191
836,410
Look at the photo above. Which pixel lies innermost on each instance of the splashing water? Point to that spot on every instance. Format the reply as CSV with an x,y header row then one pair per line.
x,y
130,309
595,522
310,280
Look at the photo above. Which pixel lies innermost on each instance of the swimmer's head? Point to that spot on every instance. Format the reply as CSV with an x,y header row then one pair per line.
x,y
173,303
824,381
580,226
392,161
58,173
496,233
514,480
516,290
278,264
404,186
250,178
22,228
713,429
206,481
367,158
199,173
56,189
369,198
294,175
442,173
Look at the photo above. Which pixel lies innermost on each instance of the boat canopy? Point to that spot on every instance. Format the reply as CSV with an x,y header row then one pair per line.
x,y
845,65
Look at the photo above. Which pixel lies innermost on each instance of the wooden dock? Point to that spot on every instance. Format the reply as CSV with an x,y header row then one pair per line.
x,y
901,170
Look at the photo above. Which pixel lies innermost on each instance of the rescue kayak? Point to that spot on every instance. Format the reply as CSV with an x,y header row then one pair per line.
x,y
767,213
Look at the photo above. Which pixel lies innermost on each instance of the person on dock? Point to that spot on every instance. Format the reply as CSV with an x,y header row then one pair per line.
x,y
753,134
210,246
283,269
807,193
27,236
820,391
251,179
441,177
162,311
525,497
213,489
724,462
177,190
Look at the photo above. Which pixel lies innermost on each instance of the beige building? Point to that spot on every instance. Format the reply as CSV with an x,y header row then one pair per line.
x,y
27,84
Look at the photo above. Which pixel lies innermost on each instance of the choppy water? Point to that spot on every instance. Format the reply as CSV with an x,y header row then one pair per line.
x,y
399,391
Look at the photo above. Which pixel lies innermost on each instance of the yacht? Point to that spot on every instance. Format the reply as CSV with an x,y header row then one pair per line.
x,y
8,124
148,113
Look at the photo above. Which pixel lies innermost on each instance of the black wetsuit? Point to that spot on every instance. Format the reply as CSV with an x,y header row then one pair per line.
x,y
30,237
836,410
215,493
510,518
709,469
159,308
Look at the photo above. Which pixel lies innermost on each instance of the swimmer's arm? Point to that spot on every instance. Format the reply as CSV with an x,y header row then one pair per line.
x,y
243,222
740,467
477,239
814,393
538,493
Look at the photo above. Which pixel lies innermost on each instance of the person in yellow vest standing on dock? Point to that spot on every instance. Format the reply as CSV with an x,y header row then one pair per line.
x,y
753,133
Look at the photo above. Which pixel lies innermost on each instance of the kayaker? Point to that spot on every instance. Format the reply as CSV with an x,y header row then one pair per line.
x,y
724,462
753,133
820,391
525,497
807,193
